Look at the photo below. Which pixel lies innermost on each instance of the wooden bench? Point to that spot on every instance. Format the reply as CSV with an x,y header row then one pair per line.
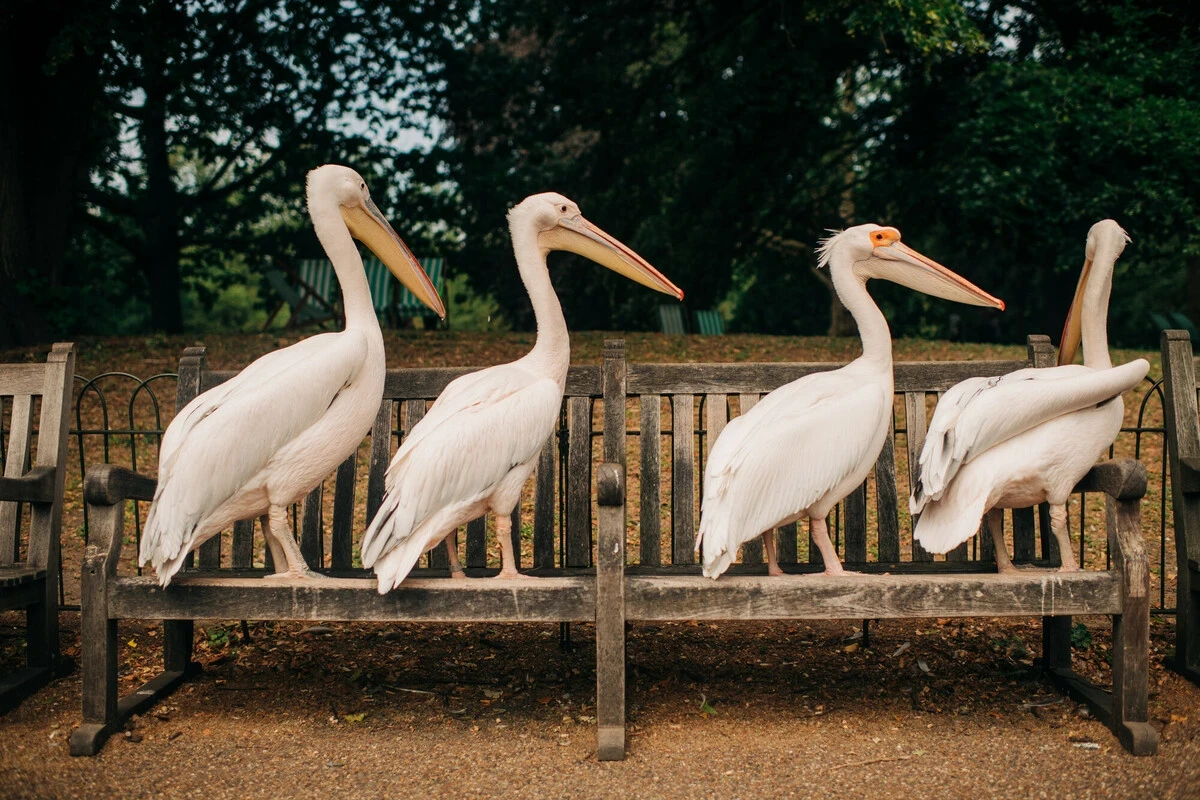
x,y
31,583
663,582
1183,439
225,581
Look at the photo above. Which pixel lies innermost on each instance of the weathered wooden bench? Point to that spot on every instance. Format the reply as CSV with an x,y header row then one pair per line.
x,y
225,580
225,585
31,582
663,582
1183,439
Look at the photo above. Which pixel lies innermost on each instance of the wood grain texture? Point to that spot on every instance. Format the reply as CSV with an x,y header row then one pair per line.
x,y
650,441
870,596
915,425
683,477
579,481
551,599
543,506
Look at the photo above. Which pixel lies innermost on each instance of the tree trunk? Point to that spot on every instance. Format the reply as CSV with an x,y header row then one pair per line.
x,y
158,212
48,90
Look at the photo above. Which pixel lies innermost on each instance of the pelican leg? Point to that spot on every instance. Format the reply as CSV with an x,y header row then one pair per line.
x,y
820,537
1062,532
289,562
456,567
768,538
994,519
508,562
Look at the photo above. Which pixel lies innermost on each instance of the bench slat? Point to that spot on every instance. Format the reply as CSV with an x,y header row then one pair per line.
x,y
887,516
243,543
915,427
543,506
716,416
381,455
341,553
16,464
552,599
579,489
650,441
311,527
870,596
683,473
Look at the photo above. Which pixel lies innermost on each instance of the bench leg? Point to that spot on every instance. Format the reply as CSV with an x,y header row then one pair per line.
x,y
610,617
99,668
1131,678
39,662
1056,643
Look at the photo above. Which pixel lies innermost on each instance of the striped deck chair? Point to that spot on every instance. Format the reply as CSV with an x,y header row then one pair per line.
x,y
671,319
307,291
380,280
710,323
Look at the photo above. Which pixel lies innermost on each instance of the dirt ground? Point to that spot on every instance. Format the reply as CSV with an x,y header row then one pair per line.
x,y
944,708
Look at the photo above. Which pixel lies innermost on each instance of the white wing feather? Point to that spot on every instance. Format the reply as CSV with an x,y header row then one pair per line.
x,y
481,427
980,413
226,436
783,456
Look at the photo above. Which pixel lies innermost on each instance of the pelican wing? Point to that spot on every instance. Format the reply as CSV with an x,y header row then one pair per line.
x,y
482,426
786,454
980,413
226,436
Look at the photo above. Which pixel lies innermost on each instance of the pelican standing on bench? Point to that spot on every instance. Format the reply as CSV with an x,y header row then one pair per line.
x,y
259,442
1028,437
810,442
473,451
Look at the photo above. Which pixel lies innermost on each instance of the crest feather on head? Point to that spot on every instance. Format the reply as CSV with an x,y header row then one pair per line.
x,y
825,247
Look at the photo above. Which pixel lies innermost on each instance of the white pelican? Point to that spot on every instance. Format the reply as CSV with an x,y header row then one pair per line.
x,y
1029,436
474,449
810,442
263,439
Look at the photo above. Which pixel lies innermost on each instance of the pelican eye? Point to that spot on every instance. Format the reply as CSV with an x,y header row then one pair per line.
x,y
362,186
564,209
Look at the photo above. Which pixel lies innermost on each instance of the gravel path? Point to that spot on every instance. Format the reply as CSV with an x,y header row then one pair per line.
x,y
946,709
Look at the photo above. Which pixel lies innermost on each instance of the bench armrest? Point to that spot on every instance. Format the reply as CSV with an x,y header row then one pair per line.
x,y
37,486
1120,479
106,488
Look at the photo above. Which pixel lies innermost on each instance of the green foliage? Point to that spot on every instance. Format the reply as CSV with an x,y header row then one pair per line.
x,y
1081,637
469,311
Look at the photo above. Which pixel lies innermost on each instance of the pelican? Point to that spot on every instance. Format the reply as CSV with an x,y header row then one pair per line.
x,y
479,441
263,439
1028,437
810,442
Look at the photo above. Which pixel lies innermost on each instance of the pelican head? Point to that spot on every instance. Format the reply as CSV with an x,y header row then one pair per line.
x,y
877,252
365,222
1105,242
561,226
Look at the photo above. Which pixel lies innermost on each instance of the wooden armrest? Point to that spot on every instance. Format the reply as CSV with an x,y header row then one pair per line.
x,y
37,486
1189,474
108,484
610,484
1121,478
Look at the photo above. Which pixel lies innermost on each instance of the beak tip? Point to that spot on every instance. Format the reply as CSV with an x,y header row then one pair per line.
x,y
1001,306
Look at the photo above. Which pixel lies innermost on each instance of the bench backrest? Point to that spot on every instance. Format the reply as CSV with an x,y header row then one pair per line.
x,y
1180,367
21,386
690,404
557,511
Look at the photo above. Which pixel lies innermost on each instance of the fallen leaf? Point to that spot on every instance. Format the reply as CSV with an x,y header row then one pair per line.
x,y
354,717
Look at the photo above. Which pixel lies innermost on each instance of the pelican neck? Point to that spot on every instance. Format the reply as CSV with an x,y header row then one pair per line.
x,y
552,348
347,265
873,329
1094,321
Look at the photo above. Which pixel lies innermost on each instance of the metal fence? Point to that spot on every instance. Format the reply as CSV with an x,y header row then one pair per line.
x,y
120,418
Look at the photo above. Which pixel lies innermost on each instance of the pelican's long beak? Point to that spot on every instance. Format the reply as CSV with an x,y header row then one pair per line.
x,y
368,225
930,277
579,236
1072,333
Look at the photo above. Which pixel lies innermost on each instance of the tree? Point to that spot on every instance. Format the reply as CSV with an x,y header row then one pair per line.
x,y
222,107
701,133
50,93
1089,111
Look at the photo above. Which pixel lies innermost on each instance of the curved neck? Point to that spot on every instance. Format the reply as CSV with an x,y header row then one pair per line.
x,y
347,265
552,349
851,288
1094,316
